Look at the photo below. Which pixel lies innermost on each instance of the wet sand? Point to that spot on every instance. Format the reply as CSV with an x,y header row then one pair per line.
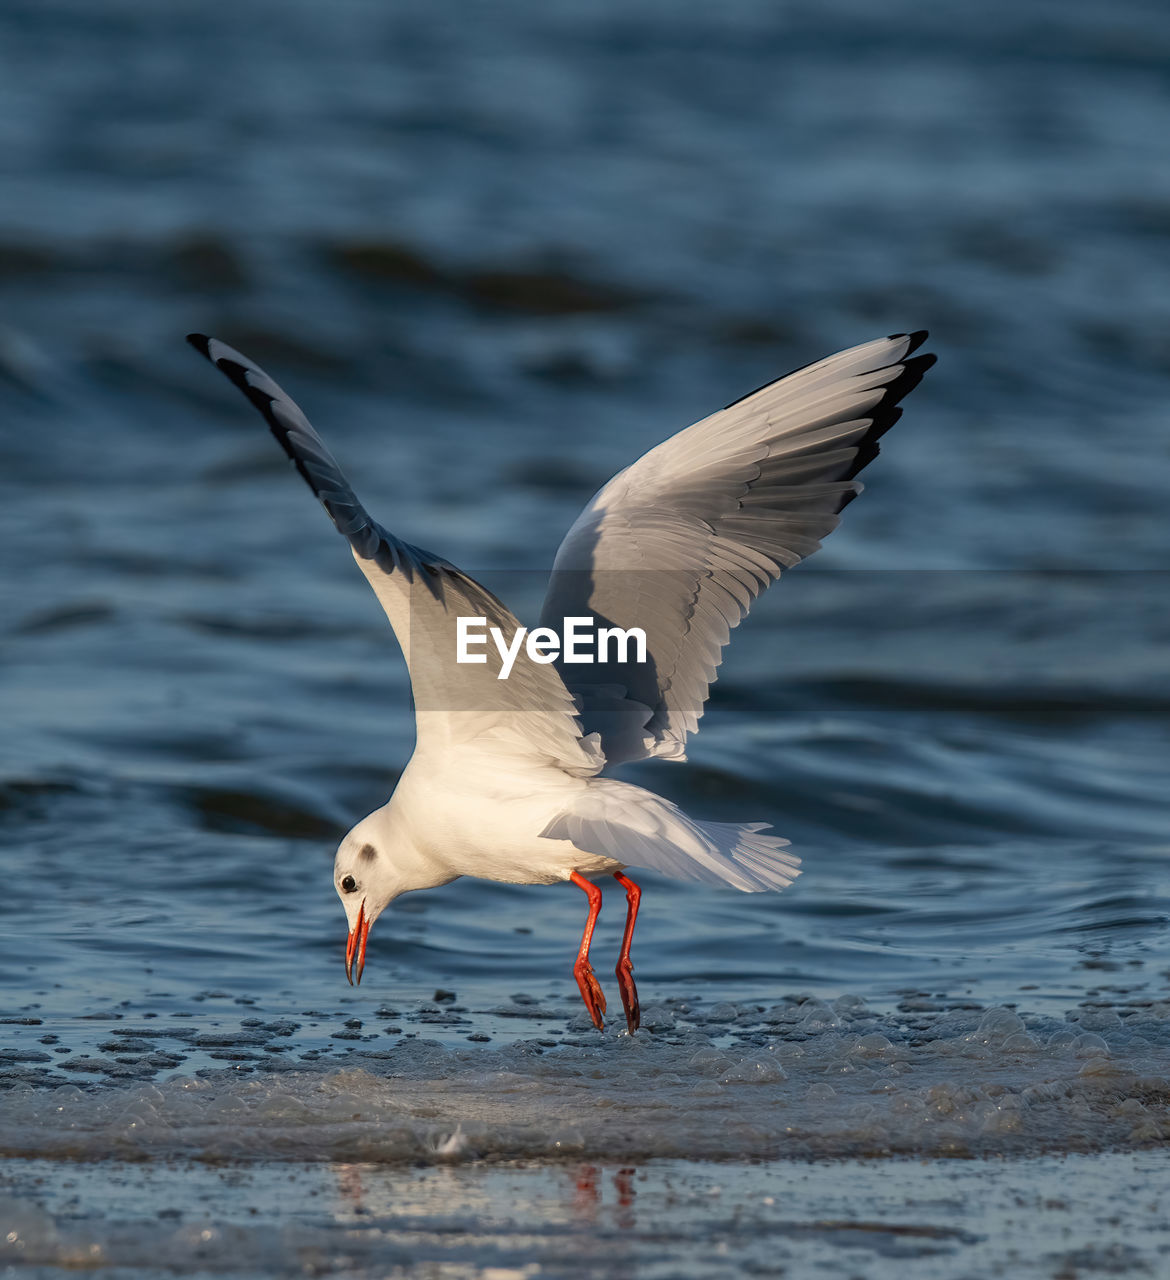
x,y
1052,1217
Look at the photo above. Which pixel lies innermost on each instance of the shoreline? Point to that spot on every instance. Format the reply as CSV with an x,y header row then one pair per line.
x,y
897,1217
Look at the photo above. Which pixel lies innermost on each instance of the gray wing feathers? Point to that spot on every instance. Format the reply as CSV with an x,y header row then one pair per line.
x,y
682,542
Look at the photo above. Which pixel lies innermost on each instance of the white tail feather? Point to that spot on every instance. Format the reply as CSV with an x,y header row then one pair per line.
x,y
637,828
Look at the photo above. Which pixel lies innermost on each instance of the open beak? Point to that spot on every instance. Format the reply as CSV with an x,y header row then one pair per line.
x,y
356,943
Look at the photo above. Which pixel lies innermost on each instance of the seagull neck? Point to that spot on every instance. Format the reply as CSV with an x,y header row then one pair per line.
x,y
408,865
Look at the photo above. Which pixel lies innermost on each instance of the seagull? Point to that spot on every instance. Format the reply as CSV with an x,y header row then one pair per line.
x,y
507,779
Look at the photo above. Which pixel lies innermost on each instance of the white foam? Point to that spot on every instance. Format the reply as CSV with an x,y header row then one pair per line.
x,y
803,1078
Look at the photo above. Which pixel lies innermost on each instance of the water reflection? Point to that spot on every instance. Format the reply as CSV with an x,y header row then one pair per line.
x,y
586,1194
589,1194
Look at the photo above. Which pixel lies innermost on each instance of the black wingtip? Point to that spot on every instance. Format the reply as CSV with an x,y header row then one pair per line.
x,y
917,338
235,372
889,410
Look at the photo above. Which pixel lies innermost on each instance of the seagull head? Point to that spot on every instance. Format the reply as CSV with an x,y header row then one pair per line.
x,y
366,884
376,862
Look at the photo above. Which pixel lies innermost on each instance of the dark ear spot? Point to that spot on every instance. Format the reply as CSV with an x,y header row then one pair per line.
x,y
367,853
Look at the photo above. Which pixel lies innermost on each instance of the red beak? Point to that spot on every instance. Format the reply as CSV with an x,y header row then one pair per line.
x,y
357,942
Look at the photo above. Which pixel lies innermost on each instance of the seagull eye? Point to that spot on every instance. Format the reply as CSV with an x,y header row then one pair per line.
x,y
349,884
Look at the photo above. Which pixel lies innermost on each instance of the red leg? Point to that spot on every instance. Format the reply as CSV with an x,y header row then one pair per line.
x,y
590,988
625,970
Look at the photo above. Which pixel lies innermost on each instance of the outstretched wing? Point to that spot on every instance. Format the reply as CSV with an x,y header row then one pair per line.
x,y
530,713
681,543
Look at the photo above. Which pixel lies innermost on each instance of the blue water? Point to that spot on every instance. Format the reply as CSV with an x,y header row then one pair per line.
x,y
496,255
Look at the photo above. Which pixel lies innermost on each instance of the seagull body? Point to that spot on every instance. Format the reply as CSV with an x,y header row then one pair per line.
x,y
505,782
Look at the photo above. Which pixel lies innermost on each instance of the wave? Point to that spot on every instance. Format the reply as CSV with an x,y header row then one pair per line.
x,y
801,1079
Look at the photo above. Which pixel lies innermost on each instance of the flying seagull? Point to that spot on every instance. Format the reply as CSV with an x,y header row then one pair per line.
x,y
506,781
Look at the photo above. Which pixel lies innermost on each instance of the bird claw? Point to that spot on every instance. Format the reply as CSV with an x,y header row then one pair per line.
x,y
629,994
591,992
